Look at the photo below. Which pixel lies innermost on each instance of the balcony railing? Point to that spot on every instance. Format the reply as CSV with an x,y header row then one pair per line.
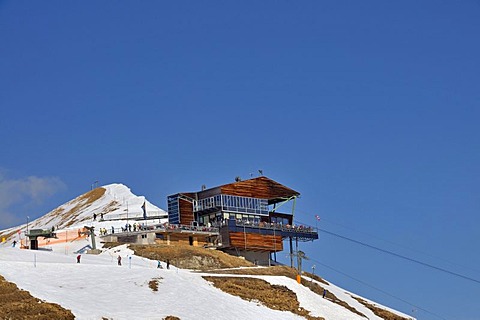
x,y
276,226
165,227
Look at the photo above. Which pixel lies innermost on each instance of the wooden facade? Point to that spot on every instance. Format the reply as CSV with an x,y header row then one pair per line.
x,y
255,242
186,211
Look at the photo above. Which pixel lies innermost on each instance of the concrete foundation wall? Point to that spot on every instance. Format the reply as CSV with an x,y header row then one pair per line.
x,y
257,257
195,240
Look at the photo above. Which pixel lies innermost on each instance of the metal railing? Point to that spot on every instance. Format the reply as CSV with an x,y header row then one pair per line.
x,y
132,215
181,227
166,227
276,226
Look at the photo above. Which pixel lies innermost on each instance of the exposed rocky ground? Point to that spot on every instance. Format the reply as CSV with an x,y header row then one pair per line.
x,y
19,304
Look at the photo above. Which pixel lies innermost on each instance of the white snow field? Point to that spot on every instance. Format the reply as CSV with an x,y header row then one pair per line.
x,y
98,288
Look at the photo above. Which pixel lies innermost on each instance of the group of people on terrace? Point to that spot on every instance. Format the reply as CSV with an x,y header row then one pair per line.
x,y
127,228
210,227
169,226
136,227
279,226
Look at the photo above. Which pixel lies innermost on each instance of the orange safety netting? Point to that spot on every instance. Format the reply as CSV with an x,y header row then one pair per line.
x,y
64,236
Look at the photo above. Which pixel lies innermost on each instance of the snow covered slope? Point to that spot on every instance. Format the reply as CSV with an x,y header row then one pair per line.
x,y
113,201
98,288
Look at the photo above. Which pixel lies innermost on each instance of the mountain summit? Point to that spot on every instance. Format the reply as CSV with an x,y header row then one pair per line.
x,y
114,201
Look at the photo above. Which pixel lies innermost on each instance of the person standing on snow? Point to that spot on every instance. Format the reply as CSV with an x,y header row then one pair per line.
x,y
119,259
78,258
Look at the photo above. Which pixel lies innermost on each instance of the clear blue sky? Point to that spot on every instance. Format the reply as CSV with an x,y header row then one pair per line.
x,y
370,109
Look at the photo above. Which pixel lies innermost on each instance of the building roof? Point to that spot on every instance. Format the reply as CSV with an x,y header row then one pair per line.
x,y
260,187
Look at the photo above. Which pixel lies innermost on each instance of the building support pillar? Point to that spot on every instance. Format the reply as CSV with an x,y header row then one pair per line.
x,y
291,252
296,249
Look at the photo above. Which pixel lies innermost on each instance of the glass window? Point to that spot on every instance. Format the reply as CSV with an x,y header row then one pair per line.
x,y
173,210
244,204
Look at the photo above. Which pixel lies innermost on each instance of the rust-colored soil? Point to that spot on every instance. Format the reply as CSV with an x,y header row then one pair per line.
x,y
315,277
291,273
7,235
270,271
272,296
19,304
81,202
382,313
318,289
189,257
153,284
112,206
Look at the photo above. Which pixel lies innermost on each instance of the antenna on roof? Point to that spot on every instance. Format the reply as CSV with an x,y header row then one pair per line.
x,y
260,171
238,179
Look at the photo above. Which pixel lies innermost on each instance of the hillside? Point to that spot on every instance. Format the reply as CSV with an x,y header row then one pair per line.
x,y
19,304
200,283
188,257
113,201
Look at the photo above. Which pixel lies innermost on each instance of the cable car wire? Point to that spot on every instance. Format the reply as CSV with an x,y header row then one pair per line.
x,y
401,256
378,289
